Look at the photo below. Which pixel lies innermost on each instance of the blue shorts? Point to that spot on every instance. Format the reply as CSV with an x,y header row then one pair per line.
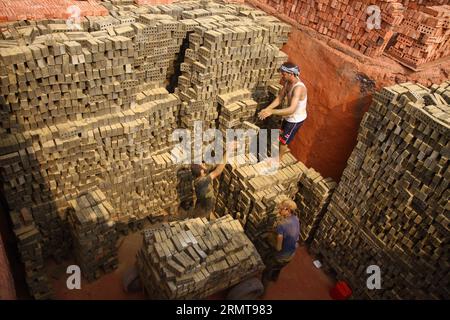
x,y
288,131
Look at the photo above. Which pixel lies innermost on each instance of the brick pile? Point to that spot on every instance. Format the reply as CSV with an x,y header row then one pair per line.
x,y
192,259
313,196
94,234
29,241
257,199
415,4
102,99
150,2
11,10
417,32
391,207
85,109
251,196
344,20
424,36
227,52
235,108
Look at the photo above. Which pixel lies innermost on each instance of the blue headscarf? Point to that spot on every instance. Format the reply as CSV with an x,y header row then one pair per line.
x,y
294,70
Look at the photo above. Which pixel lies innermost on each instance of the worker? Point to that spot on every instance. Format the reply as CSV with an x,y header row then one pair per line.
x,y
295,114
203,184
287,233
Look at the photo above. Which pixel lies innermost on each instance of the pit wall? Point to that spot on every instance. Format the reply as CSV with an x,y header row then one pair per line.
x,y
340,81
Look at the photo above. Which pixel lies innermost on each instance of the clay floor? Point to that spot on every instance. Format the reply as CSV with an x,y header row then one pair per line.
x,y
300,280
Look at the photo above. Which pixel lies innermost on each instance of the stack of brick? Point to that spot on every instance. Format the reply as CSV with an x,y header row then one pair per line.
x,y
158,44
157,38
415,4
74,65
313,196
151,2
11,10
391,207
235,108
424,36
344,20
93,233
25,183
25,32
247,194
192,259
85,119
29,242
87,108
227,52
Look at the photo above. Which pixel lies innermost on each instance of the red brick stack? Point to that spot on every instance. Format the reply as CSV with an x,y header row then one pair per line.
x,y
11,10
424,36
423,26
345,20
141,2
415,4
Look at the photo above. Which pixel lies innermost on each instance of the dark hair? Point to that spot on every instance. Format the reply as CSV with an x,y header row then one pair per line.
x,y
289,65
196,170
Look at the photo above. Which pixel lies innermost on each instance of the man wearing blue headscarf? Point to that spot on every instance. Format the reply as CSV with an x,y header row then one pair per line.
x,y
295,114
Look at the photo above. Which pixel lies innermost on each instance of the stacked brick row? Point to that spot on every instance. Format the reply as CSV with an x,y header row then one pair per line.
x,y
313,196
250,195
94,234
414,4
235,108
86,108
192,259
424,36
11,10
391,207
227,52
417,32
344,20
29,241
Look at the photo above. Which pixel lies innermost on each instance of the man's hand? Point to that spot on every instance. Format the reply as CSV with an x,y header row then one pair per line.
x,y
265,113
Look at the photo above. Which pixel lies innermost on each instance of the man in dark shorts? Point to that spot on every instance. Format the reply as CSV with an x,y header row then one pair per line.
x,y
295,114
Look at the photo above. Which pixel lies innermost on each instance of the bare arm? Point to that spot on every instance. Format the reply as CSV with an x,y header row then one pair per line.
x,y
219,169
299,94
279,244
275,103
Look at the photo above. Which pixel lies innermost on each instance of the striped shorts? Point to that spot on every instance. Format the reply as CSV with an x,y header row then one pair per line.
x,y
288,131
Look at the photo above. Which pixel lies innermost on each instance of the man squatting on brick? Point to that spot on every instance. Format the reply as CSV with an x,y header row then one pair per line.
x,y
287,233
295,114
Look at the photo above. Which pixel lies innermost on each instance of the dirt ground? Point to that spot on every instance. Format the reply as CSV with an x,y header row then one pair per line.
x,y
300,280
